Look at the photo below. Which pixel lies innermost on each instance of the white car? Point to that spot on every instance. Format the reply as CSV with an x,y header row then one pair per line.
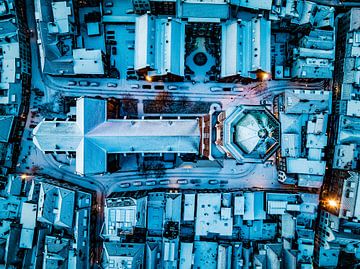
x,y
137,183
172,87
112,84
182,181
125,185
150,183
94,84
238,89
216,89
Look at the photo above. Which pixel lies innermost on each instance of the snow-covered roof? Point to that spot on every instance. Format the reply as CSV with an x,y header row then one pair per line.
x,y
307,101
56,205
245,47
305,166
6,123
88,62
92,136
28,222
120,253
210,217
160,45
253,4
61,13
250,133
205,9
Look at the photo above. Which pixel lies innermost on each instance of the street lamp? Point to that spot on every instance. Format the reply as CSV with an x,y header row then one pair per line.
x,y
332,203
23,176
148,78
263,76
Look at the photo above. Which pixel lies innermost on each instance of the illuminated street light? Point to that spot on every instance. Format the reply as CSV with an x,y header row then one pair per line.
x,y
332,203
148,78
264,76
23,176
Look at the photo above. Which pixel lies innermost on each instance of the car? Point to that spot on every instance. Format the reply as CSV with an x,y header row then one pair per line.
x,y
125,185
32,126
111,42
238,89
137,183
110,37
134,86
164,182
130,72
213,182
110,32
150,183
182,181
194,181
112,84
71,83
216,89
159,87
226,89
108,12
172,87
94,84
84,83
109,4
113,50
265,103
146,87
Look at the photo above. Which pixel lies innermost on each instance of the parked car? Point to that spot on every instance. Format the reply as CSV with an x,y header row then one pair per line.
x,y
135,86
109,4
108,12
150,183
238,89
172,87
125,185
146,87
137,183
112,84
182,181
84,83
159,87
113,50
213,182
110,32
94,84
216,89
164,182
71,83
111,42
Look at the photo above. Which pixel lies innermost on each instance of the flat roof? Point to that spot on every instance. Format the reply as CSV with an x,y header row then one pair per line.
x,y
305,166
88,62
209,219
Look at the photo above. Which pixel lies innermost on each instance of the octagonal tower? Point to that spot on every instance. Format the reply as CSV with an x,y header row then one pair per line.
x,y
247,133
